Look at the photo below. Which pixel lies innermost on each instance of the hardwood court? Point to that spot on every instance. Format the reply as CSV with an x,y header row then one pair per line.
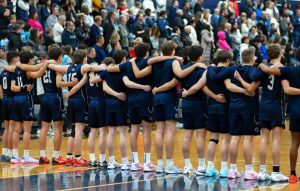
x,y
48,177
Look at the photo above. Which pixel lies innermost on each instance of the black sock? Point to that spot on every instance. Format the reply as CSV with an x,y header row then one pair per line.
x,y
276,168
69,153
77,156
293,172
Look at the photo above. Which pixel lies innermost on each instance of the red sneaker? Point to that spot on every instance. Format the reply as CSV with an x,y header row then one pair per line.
x,y
58,161
69,162
44,160
293,179
80,163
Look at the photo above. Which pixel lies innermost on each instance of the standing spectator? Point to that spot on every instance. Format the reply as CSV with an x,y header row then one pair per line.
x,y
193,34
284,26
207,41
163,25
100,50
252,20
247,7
79,31
136,8
198,7
96,7
172,11
22,10
296,23
58,29
45,12
49,38
187,13
177,21
139,28
109,26
35,42
95,30
236,37
69,37
88,19
227,30
244,45
149,20
5,13
235,7
222,43
154,37
215,21
175,36
148,4
34,22
15,41
91,55
123,32
244,27
52,19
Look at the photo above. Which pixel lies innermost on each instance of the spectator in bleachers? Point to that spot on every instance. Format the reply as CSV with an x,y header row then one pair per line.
x,y
124,33
33,20
45,12
15,42
198,7
100,50
5,14
69,37
187,13
296,23
109,25
52,19
207,40
149,20
22,10
58,29
163,25
95,30
172,12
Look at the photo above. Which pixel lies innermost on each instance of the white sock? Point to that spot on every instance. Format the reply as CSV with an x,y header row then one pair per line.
x,y
15,153
224,165
43,153
102,157
210,164
9,152
69,156
26,154
112,159
233,167
92,157
56,154
4,151
160,162
78,158
202,163
135,157
263,168
187,163
170,162
248,167
124,160
147,158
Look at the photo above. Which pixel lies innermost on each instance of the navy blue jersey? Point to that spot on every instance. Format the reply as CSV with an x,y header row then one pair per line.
x,y
137,97
239,102
21,80
74,71
163,73
49,82
292,74
271,103
197,101
217,87
115,82
95,90
5,82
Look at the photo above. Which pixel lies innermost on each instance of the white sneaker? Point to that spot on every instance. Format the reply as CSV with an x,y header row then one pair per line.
x,y
188,170
172,169
30,160
263,176
125,166
160,169
113,165
278,177
200,171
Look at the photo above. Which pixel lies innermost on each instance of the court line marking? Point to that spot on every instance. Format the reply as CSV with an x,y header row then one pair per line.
x,y
127,182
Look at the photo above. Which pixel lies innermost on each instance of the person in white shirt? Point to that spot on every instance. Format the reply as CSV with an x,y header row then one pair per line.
x,y
58,29
52,19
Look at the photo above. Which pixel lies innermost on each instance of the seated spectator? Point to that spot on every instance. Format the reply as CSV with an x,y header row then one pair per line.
x,y
12,21
88,19
36,41
69,37
67,55
52,19
34,22
49,38
222,43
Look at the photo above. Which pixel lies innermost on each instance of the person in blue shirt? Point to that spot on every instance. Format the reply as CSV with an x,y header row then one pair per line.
x,y
7,103
163,25
291,87
296,24
69,37
100,50
271,114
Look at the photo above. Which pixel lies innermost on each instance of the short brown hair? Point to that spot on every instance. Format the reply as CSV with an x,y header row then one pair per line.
x,y
79,56
168,47
223,56
273,51
247,55
54,53
108,60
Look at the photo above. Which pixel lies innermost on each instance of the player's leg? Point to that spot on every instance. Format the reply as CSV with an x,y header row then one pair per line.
x,y
5,141
233,152
148,165
79,161
43,142
248,155
134,133
56,157
211,151
123,143
110,147
159,145
26,141
294,154
91,144
265,134
201,142
70,144
102,146
16,136
10,138
186,143
225,155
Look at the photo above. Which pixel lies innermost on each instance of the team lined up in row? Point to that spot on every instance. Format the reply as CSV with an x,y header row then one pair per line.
x,y
231,107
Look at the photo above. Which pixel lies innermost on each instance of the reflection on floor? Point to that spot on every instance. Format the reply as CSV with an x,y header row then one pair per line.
x,y
114,180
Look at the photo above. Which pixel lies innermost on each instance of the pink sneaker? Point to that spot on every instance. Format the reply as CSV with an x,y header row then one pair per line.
x,y
250,175
234,174
30,160
136,167
149,167
18,160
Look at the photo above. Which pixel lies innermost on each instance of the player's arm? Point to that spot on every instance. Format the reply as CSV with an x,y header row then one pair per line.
x,y
94,79
218,97
158,59
113,68
140,73
98,68
15,88
288,90
77,87
132,85
39,73
1,92
234,88
29,68
196,87
59,68
60,83
120,95
270,71
249,87
179,72
167,86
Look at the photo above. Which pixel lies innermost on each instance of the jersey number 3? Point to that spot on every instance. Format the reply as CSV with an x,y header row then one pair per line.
x,y
272,79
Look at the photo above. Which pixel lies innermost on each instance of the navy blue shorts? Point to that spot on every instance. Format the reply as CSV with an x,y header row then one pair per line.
x,y
138,114
164,113
116,119
217,123
243,124
97,113
77,110
270,124
52,108
7,108
295,124
194,121
23,108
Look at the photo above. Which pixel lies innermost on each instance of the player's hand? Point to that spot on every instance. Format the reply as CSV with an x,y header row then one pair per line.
x,y
237,75
154,90
184,93
51,62
121,96
132,60
250,94
220,98
6,13
263,67
179,59
74,81
201,65
147,88
29,87
66,97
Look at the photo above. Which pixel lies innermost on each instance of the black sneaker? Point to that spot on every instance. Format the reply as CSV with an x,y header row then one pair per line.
x,y
103,164
93,164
